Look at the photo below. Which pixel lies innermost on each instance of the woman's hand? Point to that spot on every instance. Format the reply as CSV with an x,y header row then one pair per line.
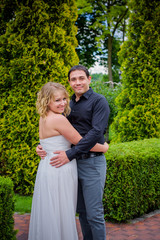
x,y
40,152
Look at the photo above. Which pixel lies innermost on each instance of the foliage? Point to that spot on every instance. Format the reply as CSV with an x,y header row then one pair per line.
x,y
97,77
138,104
7,231
87,49
116,43
6,14
132,180
116,77
100,86
38,45
99,24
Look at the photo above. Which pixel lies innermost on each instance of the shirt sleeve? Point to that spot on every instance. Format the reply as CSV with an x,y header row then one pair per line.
x,y
99,124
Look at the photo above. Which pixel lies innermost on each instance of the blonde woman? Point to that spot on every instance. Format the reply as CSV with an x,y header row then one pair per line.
x,y
55,192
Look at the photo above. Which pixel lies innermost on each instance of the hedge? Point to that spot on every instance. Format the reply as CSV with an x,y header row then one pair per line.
x,y
37,46
138,104
133,179
7,231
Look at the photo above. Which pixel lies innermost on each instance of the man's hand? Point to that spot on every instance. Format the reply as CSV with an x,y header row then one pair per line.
x,y
106,147
40,151
60,159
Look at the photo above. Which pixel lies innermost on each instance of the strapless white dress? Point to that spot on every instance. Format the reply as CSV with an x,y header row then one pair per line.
x,y
55,196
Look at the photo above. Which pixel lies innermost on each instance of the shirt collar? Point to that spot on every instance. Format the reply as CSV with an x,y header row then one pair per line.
x,y
85,95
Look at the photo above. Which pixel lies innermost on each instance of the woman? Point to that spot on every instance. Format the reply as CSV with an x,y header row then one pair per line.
x,y
55,192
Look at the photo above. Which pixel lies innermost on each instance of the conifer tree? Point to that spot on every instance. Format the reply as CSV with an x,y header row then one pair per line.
x,y
37,46
139,102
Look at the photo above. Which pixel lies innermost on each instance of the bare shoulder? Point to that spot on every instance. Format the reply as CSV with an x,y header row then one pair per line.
x,y
56,118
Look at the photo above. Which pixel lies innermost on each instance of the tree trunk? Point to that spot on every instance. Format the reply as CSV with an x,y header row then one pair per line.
x,y
110,38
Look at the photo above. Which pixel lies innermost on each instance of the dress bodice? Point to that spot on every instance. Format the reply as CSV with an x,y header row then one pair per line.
x,y
55,143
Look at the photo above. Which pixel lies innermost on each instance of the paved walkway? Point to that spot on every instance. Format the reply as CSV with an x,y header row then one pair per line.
x,y
144,228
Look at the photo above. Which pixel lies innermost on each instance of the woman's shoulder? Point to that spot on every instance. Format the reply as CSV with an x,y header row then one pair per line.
x,y
52,117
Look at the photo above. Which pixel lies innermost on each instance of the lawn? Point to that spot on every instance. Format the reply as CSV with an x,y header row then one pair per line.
x,y
23,204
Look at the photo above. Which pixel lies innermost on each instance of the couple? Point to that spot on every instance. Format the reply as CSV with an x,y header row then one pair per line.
x,y
55,193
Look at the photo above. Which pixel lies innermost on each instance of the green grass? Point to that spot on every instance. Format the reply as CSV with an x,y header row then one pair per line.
x,y
23,204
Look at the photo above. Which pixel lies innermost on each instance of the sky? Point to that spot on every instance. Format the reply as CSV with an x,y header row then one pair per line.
x,y
97,69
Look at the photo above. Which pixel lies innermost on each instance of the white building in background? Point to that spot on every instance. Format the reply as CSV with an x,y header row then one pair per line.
x,y
98,69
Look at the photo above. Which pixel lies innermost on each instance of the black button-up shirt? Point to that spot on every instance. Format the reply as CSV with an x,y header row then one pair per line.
x,y
89,116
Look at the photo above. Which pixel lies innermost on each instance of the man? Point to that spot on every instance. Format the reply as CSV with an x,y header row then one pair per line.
x,y
89,115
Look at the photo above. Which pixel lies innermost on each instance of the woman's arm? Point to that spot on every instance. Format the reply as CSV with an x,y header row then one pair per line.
x,y
54,125
64,127
71,134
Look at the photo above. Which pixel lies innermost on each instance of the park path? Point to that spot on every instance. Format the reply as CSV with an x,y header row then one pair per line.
x,y
144,228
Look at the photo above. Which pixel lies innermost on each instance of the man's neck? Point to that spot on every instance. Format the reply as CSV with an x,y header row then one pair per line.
x,y
77,98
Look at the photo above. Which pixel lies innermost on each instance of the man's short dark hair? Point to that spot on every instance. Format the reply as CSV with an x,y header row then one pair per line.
x,y
78,67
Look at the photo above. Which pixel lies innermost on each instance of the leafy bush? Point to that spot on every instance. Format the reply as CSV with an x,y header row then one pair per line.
x,y
7,231
133,179
110,94
138,104
37,46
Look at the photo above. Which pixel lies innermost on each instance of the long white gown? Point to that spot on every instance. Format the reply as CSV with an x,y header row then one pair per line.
x,y
55,196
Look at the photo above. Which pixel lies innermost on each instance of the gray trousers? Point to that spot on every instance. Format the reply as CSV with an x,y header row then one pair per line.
x,y
91,181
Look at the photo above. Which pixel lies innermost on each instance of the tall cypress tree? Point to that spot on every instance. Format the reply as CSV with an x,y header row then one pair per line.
x,y
139,102
37,46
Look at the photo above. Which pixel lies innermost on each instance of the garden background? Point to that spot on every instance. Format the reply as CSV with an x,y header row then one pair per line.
x,y
40,40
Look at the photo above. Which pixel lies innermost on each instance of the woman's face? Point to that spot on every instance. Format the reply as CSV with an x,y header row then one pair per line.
x,y
58,104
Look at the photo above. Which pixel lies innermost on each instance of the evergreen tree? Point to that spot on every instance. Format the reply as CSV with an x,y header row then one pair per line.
x,y
37,46
139,102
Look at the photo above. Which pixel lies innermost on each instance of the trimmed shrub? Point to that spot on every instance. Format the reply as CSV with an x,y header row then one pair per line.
x,y
133,179
138,104
38,45
7,231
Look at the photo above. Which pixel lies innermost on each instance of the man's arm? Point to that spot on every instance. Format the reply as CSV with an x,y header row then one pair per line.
x,y
99,122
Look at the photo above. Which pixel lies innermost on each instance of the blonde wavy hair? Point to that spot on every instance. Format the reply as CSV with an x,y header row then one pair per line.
x,y
47,93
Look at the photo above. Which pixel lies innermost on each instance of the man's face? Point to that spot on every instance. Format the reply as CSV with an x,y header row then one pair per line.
x,y
79,82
